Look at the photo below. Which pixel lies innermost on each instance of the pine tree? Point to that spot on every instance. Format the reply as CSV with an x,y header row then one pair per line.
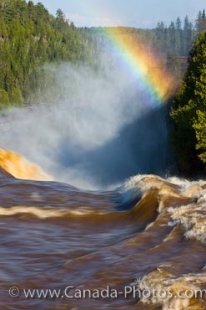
x,y
189,111
179,37
201,22
188,35
200,129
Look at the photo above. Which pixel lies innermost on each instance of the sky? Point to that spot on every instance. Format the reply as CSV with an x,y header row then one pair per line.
x,y
134,13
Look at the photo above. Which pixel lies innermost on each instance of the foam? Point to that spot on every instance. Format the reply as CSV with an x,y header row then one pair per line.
x,y
163,281
44,213
193,220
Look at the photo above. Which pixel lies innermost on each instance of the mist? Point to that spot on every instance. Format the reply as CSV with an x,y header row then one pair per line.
x,y
92,129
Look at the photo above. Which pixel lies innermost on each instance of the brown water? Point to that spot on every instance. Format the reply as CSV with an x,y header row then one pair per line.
x,y
148,234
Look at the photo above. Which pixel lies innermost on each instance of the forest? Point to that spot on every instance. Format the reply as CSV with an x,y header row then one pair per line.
x,y
31,37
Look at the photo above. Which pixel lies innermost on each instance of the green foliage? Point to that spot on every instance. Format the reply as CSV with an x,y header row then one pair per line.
x,y
4,99
16,96
30,37
189,112
200,129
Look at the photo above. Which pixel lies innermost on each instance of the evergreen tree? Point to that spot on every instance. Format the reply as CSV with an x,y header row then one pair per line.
x,y
200,129
188,36
172,39
179,37
189,112
201,22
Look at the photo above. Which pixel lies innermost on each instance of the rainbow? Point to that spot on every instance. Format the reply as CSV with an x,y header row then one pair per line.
x,y
145,64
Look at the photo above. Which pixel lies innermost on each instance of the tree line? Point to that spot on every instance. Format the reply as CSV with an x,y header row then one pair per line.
x,y
172,42
175,39
178,37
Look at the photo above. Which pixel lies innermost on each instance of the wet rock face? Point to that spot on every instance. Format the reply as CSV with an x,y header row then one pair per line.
x,y
21,168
